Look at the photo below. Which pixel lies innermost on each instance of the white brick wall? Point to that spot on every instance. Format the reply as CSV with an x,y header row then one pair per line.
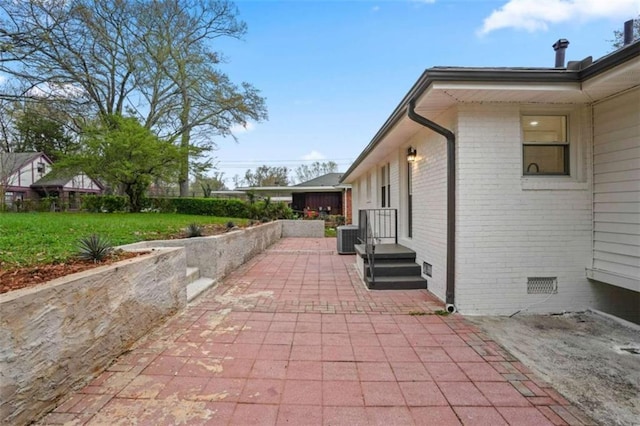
x,y
508,227
429,205
508,232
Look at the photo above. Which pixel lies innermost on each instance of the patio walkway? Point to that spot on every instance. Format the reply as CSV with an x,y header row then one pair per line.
x,y
293,337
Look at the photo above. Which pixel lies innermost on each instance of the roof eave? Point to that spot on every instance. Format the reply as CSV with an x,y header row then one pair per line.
x,y
431,75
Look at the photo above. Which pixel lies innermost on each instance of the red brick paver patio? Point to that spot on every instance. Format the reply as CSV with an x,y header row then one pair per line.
x,y
293,337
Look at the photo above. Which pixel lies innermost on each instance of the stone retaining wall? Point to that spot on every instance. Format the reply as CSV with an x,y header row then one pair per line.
x,y
302,228
218,255
55,336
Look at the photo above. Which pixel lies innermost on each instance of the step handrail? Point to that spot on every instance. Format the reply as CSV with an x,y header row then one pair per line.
x,y
376,225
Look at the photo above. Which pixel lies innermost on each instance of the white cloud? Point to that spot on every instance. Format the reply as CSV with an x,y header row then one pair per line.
x,y
3,79
534,15
239,128
49,90
313,156
375,8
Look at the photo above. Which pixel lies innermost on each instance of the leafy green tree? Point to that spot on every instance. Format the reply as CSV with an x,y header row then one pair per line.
x,y
126,155
307,172
267,176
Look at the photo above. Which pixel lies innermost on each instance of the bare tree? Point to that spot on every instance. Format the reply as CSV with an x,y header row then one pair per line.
x,y
153,58
267,176
307,172
618,35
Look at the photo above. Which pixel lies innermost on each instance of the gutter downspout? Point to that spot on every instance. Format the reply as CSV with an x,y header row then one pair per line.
x,y
451,199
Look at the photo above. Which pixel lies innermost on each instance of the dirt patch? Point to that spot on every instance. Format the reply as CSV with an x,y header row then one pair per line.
x,y
587,357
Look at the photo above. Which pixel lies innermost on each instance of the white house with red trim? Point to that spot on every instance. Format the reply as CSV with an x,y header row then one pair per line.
x,y
518,189
30,176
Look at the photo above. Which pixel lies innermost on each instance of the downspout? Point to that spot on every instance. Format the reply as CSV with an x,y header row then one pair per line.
x,y
451,199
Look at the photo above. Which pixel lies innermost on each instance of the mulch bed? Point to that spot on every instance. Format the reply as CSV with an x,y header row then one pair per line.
x,y
30,276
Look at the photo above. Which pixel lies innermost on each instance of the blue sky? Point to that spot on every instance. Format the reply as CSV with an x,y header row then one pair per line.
x,y
333,71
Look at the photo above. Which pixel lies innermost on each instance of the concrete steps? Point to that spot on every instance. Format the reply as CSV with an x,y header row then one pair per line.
x,y
197,284
397,283
394,268
192,274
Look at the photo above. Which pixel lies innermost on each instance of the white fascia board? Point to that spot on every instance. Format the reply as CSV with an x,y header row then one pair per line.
x,y
507,86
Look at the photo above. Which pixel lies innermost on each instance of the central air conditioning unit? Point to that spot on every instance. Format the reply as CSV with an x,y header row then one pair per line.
x,y
347,239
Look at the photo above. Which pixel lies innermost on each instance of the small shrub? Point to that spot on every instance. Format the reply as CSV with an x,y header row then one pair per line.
x,y
114,203
91,203
194,230
47,204
104,203
203,206
94,248
330,232
230,225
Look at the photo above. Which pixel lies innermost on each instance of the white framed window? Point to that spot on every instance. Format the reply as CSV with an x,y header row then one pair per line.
x,y
385,186
545,145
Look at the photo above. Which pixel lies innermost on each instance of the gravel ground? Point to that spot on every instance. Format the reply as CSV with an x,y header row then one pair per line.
x,y
591,359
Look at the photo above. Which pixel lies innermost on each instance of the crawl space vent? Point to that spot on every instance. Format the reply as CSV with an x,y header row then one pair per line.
x,y
542,285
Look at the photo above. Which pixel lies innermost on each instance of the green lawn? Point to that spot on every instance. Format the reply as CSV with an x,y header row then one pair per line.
x,y
36,238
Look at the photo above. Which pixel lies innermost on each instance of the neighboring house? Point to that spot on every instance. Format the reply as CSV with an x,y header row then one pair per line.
x,y
29,176
318,196
528,196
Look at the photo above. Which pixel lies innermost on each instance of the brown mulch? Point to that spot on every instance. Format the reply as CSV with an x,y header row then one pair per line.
x,y
30,276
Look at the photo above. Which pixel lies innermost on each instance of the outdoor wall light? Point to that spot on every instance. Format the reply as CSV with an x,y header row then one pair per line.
x,y
411,154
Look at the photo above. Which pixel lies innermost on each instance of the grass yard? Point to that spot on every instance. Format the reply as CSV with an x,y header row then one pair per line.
x,y
38,238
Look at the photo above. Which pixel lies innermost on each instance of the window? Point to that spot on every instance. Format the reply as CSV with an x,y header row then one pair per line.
x,y
385,186
41,168
545,145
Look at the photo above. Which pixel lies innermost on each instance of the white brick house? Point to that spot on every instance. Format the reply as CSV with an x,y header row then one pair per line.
x,y
543,186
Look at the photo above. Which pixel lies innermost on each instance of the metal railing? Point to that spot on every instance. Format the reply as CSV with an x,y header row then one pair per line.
x,y
374,227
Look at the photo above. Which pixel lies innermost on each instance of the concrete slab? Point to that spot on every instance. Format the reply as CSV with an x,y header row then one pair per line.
x,y
592,360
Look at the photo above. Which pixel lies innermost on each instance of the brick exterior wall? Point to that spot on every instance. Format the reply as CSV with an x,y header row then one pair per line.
x,y
509,227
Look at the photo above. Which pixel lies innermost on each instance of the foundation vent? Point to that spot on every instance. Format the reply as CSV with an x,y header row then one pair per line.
x,y
427,269
542,285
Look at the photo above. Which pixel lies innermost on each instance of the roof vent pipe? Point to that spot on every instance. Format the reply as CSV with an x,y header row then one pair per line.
x,y
560,46
628,32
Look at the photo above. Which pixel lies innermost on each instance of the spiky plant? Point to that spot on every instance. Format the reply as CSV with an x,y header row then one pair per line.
x,y
194,230
230,225
94,247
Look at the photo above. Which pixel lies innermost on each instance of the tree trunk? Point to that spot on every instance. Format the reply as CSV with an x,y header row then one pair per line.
x,y
183,178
